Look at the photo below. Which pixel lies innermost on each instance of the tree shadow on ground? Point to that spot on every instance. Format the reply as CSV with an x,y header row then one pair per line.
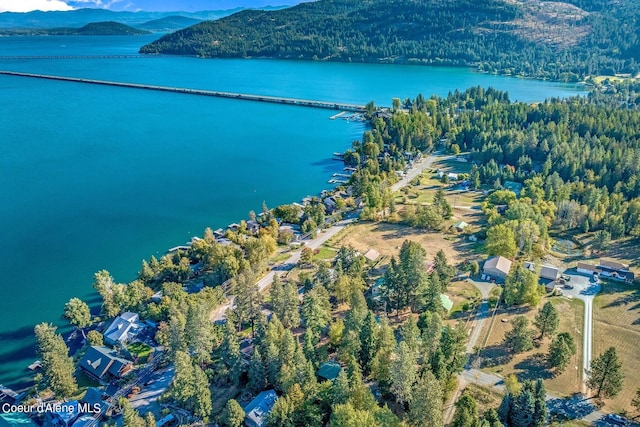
x,y
495,355
533,367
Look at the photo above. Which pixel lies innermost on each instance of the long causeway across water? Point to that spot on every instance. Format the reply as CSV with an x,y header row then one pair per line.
x,y
232,95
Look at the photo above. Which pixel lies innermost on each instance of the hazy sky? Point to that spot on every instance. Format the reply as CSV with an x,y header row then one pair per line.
x,y
133,5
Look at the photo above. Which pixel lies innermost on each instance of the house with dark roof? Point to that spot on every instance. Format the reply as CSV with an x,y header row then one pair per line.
x,y
329,370
123,329
497,267
615,270
99,362
253,227
257,411
64,415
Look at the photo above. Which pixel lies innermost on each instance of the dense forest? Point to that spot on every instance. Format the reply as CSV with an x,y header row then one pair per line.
x,y
553,40
578,160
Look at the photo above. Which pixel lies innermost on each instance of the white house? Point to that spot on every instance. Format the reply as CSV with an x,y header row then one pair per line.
x,y
123,328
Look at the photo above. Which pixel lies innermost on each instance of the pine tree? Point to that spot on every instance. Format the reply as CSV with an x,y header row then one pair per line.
x,y
381,363
130,417
201,401
149,420
233,414
547,320
466,414
57,366
519,339
403,373
426,406
605,376
562,348
256,373
341,389
368,342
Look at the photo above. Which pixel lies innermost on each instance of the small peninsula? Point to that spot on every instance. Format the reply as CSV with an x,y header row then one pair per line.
x,y
564,41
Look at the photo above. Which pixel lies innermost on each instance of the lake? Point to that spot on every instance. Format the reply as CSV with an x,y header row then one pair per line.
x,y
96,177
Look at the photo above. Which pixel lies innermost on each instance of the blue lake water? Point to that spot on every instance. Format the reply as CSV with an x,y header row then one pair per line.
x,y
97,177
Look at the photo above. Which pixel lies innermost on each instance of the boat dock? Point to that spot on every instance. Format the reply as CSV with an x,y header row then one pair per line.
x,y
35,365
8,394
340,114
240,96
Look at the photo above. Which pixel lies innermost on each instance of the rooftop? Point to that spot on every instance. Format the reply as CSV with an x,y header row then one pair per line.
x,y
258,409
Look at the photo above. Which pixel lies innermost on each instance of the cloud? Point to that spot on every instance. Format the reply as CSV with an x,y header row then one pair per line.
x,y
29,5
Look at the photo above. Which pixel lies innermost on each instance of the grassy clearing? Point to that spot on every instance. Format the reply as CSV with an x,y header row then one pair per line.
x,y
532,364
464,295
325,254
140,350
388,238
616,312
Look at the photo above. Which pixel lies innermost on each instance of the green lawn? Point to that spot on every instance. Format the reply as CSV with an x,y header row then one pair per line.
x,y
140,350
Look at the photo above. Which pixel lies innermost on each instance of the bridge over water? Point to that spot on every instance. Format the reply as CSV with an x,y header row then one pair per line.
x,y
232,95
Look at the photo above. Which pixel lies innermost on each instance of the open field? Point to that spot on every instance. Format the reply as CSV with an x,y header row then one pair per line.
x,y
616,323
387,239
532,364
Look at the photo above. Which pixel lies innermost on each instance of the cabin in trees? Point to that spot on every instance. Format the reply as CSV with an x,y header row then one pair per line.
x,y
257,411
496,267
99,362
123,329
329,371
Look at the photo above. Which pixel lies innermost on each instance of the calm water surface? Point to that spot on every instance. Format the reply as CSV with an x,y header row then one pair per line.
x,y
96,177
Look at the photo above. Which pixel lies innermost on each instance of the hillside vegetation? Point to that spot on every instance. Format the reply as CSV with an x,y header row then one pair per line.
x,y
563,41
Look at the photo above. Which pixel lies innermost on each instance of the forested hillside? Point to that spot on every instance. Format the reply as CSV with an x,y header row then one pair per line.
x,y
563,41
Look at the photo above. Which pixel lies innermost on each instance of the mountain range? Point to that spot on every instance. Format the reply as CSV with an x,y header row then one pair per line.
x,y
152,21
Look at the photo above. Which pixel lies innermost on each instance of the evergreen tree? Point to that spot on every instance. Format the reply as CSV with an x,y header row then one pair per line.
x,y
519,338
425,409
403,373
341,389
248,299
230,354
130,417
77,311
316,309
547,320
466,414
381,363
562,348
149,420
441,205
368,342
605,376
232,414
57,366
442,268
256,372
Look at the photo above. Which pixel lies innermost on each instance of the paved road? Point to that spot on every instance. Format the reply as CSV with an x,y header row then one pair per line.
x,y
417,169
221,312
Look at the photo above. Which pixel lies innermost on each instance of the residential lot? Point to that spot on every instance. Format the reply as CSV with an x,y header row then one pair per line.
x,y
617,324
532,364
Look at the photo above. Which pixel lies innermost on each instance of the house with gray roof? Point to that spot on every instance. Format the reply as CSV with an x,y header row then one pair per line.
x,y
257,411
99,362
497,267
123,329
